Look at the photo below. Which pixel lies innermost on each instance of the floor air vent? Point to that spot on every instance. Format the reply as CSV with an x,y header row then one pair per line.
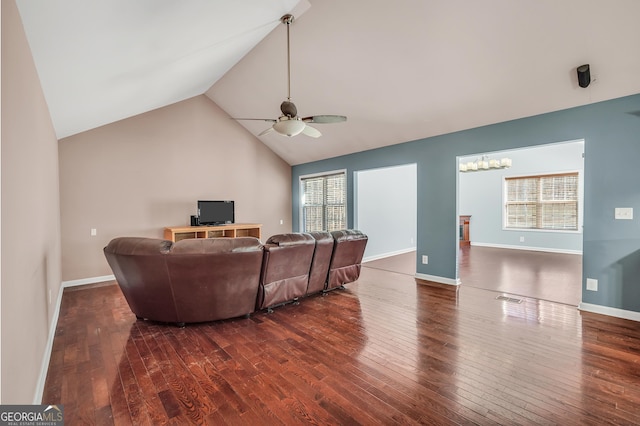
x,y
509,299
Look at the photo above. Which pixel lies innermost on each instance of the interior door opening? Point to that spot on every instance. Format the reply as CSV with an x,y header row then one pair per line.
x,y
527,261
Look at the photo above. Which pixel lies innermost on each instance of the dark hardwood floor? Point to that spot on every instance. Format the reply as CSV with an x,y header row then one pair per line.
x,y
384,351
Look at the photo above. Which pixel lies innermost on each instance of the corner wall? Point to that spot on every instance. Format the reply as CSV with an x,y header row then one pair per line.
x,y
30,216
136,176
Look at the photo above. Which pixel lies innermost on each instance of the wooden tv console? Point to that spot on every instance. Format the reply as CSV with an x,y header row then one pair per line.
x,y
231,231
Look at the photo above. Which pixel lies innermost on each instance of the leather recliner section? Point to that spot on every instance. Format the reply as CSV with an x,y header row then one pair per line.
x,y
321,261
346,261
285,268
215,278
192,280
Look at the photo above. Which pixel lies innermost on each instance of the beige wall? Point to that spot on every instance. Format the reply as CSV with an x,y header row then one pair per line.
x,y
132,177
136,176
30,216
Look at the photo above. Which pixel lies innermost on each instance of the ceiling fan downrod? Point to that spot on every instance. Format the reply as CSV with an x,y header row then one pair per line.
x,y
288,20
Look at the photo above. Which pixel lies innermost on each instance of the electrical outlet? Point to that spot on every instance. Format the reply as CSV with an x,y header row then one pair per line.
x,y
624,213
522,239
281,221
412,241
592,284
425,259
94,232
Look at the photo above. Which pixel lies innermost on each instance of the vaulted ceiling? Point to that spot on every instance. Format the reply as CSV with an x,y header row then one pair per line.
x,y
399,71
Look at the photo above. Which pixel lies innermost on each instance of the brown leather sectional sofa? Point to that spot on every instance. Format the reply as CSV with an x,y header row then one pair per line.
x,y
197,280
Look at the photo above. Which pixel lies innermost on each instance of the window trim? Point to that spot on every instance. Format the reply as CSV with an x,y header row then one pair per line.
x,y
301,178
580,202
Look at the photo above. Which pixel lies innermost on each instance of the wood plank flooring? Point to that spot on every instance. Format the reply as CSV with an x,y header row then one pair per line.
x,y
556,277
541,275
384,351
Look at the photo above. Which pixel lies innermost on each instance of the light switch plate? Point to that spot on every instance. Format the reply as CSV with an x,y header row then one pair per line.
x,y
592,284
624,213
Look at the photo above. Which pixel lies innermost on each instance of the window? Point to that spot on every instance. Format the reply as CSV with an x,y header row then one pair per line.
x,y
542,202
324,206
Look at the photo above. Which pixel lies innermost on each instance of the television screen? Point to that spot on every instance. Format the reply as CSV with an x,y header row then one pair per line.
x,y
215,212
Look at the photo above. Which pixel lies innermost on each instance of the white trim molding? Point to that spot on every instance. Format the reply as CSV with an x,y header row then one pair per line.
x,y
437,279
46,358
612,312
544,249
388,254
44,368
91,280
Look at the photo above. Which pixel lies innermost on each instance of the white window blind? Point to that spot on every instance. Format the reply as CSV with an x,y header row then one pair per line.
x,y
324,206
542,202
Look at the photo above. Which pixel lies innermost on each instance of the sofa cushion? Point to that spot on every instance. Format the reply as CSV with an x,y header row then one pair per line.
x,y
216,245
294,238
138,245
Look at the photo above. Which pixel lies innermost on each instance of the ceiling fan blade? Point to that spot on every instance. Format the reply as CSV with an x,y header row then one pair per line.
x,y
323,119
264,132
311,131
270,120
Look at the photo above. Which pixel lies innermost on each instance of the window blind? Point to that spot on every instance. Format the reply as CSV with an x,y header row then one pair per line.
x,y
542,202
324,206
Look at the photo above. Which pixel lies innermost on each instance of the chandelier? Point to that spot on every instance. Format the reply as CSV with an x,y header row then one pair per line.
x,y
485,163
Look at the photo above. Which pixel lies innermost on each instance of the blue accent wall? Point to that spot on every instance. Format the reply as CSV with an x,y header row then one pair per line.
x,y
611,130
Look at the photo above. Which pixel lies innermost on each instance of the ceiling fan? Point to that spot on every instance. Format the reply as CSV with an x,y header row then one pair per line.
x,y
289,124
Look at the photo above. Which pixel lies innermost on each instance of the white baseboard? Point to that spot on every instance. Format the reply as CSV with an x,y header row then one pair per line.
x,y
91,280
44,367
612,312
437,279
388,254
46,358
544,249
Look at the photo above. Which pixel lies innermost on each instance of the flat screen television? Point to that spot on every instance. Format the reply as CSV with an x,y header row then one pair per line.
x,y
215,212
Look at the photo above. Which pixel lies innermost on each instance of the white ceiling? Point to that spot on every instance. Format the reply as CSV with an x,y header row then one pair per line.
x,y
400,71
105,60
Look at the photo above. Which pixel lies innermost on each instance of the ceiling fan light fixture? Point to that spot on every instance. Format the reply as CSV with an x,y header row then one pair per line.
x,y
289,127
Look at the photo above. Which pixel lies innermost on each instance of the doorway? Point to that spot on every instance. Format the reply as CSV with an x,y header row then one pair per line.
x,y
385,208
526,259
